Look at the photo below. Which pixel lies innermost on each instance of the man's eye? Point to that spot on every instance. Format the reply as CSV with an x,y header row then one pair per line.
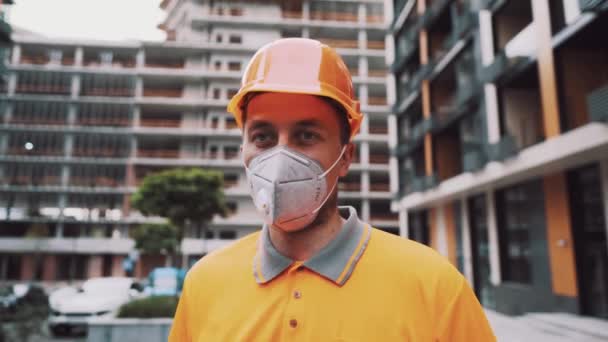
x,y
308,136
261,138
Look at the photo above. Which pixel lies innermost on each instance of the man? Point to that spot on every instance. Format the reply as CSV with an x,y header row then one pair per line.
x,y
315,272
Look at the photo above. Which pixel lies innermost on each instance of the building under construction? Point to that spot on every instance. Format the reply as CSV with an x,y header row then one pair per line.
x,y
84,122
500,145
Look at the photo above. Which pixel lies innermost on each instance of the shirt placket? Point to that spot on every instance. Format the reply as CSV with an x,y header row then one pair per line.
x,y
294,321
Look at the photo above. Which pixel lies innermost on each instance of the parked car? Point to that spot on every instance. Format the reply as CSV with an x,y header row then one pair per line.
x,y
165,281
72,308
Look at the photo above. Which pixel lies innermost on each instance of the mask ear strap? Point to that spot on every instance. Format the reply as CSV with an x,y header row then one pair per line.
x,y
335,184
334,164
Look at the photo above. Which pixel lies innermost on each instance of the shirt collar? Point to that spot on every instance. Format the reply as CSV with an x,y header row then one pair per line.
x,y
335,262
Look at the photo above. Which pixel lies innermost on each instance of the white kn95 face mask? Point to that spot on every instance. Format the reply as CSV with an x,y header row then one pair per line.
x,y
288,187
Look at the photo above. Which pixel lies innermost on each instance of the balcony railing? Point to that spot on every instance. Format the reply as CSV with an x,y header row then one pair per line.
x,y
375,44
101,181
44,60
333,16
378,129
160,123
24,180
502,66
43,89
98,152
384,217
355,186
37,121
291,15
114,64
165,65
503,149
158,153
378,158
376,101
340,43
173,93
120,122
20,151
380,187
107,92
376,73
474,158
597,104
593,5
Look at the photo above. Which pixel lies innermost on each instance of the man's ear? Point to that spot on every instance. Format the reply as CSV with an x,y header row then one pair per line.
x,y
347,159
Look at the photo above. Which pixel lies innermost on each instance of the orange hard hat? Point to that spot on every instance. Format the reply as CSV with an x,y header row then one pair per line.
x,y
299,66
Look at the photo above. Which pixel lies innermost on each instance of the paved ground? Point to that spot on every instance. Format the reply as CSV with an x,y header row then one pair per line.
x,y
555,327
532,327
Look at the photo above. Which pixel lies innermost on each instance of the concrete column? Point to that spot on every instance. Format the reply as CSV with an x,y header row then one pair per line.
x,y
117,270
365,182
7,115
492,115
68,145
95,267
139,87
364,153
63,200
362,66
362,39
16,57
364,129
49,271
495,275
75,91
365,210
403,224
27,267
486,37
604,180
140,59
465,237
72,114
306,10
136,116
441,231
78,56
362,13
363,94
12,84
305,32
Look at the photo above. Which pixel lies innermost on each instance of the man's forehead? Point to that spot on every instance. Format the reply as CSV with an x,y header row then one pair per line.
x,y
264,121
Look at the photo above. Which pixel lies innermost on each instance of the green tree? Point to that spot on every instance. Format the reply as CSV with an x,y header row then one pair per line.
x,y
186,197
157,239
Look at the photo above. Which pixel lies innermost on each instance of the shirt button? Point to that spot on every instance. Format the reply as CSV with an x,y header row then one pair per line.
x,y
293,323
297,294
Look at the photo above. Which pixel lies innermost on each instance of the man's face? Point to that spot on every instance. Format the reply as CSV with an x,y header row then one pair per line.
x,y
305,123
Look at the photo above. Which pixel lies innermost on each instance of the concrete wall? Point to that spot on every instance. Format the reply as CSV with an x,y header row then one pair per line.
x,y
130,329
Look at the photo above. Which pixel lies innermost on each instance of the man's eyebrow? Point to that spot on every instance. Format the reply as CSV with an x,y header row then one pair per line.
x,y
310,123
258,124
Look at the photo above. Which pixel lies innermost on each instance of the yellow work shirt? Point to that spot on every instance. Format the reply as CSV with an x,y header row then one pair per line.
x,y
366,285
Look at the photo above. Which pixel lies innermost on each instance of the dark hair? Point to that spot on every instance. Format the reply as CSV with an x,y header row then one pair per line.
x,y
338,109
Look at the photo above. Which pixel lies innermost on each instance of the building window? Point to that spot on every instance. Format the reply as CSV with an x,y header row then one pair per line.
x,y
418,227
106,57
227,235
219,38
234,66
235,39
520,213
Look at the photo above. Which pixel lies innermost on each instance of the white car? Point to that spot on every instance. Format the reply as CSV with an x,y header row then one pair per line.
x,y
72,308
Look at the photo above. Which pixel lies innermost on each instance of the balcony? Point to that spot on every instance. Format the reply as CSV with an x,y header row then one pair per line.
x,y
158,123
43,89
503,68
106,92
158,154
350,186
168,93
67,245
377,158
48,151
103,121
474,157
45,60
340,43
98,153
333,16
40,121
379,187
593,5
28,180
503,149
433,13
597,104
101,181
376,101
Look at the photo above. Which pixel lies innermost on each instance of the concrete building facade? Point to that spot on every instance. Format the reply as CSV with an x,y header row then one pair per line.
x,y
84,122
499,141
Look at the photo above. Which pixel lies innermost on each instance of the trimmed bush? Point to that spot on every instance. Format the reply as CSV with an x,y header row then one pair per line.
x,y
151,307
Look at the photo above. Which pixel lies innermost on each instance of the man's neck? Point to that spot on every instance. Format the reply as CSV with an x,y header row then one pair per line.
x,y
304,244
